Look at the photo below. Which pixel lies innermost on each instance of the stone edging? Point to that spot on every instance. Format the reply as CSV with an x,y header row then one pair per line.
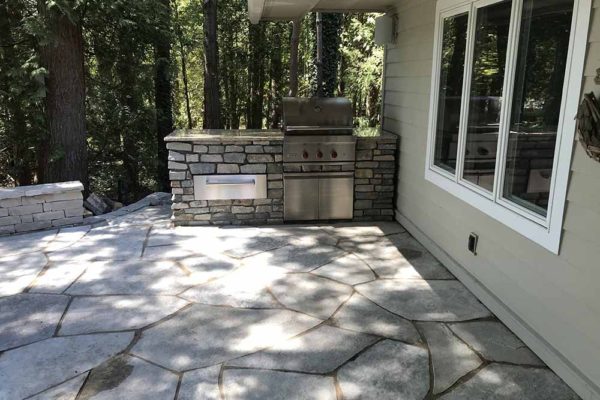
x,y
154,199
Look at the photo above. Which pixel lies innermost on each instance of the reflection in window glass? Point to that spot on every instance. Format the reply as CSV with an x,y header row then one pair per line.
x,y
541,64
485,102
451,87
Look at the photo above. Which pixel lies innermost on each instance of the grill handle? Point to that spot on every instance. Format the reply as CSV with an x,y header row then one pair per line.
x,y
230,182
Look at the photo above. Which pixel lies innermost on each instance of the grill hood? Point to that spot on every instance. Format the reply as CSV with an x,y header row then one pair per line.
x,y
317,114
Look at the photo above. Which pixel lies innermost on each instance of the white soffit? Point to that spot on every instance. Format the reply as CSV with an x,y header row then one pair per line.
x,y
292,9
355,5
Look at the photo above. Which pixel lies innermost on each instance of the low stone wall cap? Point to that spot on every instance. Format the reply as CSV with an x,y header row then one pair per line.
x,y
37,190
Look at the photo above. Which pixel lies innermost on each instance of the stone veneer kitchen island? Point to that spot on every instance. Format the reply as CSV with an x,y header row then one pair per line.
x,y
217,152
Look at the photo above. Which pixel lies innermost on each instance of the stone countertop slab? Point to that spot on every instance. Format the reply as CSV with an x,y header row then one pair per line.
x,y
233,135
218,135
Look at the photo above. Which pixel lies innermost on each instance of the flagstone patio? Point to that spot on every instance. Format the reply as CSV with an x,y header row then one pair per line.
x,y
140,310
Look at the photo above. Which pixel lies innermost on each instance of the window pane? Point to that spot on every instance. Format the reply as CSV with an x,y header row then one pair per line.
x,y
485,102
540,74
451,86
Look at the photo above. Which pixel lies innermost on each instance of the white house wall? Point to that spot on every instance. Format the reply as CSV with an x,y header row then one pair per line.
x,y
556,298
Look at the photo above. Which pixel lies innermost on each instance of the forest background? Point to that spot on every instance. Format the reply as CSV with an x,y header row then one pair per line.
x,y
89,88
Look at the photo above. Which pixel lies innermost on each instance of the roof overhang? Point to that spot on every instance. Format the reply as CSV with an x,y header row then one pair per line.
x,y
287,10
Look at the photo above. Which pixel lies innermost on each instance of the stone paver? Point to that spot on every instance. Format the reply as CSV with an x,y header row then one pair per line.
x,y
349,269
260,385
397,256
31,369
26,243
311,294
117,313
245,287
203,336
181,236
451,359
200,384
362,315
131,277
67,237
246,247
129,378
507,382
17,272
387,371
352,230
276,312
495,342
58,277
296,258
105,243
425,300
319,351
65,391
204,268
302,235
149,215
169,252
26,318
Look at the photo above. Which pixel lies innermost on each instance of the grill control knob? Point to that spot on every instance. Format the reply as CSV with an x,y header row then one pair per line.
x,y
319,154
334,154
305,154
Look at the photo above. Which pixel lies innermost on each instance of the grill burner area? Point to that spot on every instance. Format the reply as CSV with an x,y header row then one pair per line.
x,y
319,153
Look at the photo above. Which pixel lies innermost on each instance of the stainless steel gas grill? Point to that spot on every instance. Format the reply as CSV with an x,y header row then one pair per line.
x,y
318,159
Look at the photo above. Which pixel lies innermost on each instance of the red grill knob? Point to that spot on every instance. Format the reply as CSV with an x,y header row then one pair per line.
x,y
320,154
334,154
305,155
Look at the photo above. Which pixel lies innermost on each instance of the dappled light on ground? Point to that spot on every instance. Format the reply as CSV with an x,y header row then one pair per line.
x,y
293,312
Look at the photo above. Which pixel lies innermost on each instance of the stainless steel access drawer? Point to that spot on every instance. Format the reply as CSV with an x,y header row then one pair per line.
x,y
230,187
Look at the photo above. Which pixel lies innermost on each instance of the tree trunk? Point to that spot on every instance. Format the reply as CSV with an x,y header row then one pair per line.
x,y
295,42
319,55
234,94
256,71
331,26
130,105
276,73
20,160
162,94
184,73
212,101
65,148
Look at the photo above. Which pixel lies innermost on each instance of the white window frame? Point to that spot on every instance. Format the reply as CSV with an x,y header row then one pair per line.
x,y
545,231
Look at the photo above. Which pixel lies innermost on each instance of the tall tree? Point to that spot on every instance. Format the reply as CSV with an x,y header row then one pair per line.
x,y
184,70
21,158
294,44
276,83
318,84
212,98
256,76
163,91
332,24
130,103
64,153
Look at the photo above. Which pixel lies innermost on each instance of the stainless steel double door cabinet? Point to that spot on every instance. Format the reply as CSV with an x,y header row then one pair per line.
x,y
318,196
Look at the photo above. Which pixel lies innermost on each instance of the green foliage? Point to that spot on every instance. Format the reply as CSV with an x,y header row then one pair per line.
x,y
22,90
361,68
120,62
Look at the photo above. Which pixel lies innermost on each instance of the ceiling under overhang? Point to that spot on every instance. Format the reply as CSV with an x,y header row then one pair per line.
x,y
287,10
